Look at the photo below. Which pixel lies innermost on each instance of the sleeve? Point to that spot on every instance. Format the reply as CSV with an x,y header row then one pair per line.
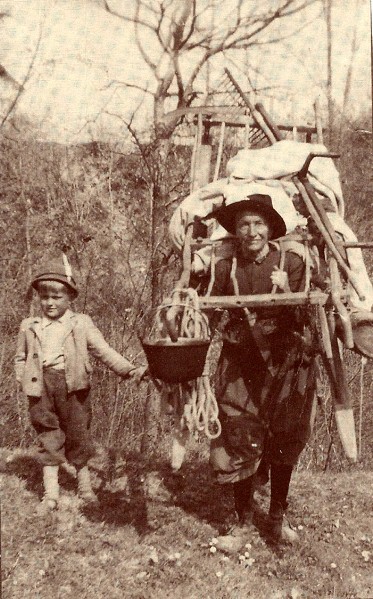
x,y
21,353
296,270
222,273
101,350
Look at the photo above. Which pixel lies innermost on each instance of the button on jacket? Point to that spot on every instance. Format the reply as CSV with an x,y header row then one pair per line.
x,y
81,337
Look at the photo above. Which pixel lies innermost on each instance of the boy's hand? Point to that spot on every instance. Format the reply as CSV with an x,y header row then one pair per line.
x,y
138,374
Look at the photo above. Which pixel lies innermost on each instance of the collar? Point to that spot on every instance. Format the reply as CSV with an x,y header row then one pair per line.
x,y
261,256
64,319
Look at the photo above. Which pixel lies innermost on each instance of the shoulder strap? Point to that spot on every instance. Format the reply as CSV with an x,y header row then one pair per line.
x,y
281,263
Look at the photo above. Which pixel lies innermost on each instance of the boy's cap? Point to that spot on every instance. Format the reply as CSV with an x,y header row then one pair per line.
x,y
55,270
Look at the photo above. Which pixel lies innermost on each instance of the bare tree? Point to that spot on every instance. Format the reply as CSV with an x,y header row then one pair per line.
x,y
177,38
329,69
19,87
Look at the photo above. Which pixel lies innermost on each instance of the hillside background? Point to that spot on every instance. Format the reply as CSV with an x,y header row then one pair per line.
x,y
94,201
85,169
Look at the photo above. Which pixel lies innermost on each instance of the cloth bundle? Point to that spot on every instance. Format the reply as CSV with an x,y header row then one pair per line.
x,y
253,171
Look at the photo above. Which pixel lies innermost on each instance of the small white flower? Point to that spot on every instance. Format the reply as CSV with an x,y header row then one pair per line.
x,y
333,565
213,549
219,574
366,555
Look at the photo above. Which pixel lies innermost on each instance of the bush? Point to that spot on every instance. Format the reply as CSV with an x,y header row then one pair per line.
x,y
109,210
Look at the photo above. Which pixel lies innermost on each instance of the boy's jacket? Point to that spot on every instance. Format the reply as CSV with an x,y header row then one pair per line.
x,y
82,337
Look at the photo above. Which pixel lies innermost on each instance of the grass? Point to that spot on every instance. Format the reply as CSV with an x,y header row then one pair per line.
x,y
150,535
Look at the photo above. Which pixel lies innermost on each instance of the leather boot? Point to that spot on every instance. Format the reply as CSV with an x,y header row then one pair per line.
x,y
275,521
279,529
239,534
85,490
243,500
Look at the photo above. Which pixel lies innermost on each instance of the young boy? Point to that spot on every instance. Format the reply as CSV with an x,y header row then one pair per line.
x,y
52,365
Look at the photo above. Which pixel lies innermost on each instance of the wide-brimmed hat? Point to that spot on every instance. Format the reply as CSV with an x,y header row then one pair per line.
x,y
259,203
56,270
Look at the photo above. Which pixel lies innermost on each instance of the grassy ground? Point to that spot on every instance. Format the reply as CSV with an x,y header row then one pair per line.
x,y
150,537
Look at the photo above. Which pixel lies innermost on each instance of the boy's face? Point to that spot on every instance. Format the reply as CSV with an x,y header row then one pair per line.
x,y
54,299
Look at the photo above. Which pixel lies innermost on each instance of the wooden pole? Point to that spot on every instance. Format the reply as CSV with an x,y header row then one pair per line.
x,y
318,123
220,151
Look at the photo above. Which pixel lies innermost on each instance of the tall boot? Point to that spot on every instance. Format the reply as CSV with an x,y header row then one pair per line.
x,y
84,485
243,500
236,537
51,490
278,530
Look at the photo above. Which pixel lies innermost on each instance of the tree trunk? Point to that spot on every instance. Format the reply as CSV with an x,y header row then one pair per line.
x,y
329,78
156,209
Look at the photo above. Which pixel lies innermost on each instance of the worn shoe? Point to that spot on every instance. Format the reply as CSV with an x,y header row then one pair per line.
x,y
235,539
237,536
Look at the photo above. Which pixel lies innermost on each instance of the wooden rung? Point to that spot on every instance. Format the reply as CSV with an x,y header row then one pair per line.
x,y
358,244
264,300
198,244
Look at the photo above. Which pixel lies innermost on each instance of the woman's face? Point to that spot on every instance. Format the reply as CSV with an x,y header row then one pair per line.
x,y
252,231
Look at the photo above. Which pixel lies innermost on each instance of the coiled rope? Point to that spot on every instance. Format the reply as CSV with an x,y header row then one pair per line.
x,y
195,400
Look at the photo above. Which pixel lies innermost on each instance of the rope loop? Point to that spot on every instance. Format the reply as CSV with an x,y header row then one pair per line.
x,y
182,317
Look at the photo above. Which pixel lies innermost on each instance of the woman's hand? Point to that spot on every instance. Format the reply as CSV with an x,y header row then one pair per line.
x,y
280,278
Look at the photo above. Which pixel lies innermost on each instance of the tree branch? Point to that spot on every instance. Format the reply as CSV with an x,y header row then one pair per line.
x,y
27,77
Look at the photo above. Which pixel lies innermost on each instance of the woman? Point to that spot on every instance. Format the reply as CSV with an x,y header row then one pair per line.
x,y
266,371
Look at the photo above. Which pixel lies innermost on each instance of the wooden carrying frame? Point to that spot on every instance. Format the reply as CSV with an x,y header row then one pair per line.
x,y
331,305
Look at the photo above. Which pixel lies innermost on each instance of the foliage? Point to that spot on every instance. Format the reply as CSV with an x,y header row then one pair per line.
x,y
94,204
109,208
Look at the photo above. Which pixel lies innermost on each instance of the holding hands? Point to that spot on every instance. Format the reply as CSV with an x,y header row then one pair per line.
x,y
138,374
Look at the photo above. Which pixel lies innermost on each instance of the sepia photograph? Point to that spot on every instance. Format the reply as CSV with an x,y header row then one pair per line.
x,y
186,262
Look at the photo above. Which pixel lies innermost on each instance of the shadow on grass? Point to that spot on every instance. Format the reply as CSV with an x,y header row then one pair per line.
x,y
192,489
28,468
122,508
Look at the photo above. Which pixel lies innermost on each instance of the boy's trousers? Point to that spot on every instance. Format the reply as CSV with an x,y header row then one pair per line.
x,y
62,421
